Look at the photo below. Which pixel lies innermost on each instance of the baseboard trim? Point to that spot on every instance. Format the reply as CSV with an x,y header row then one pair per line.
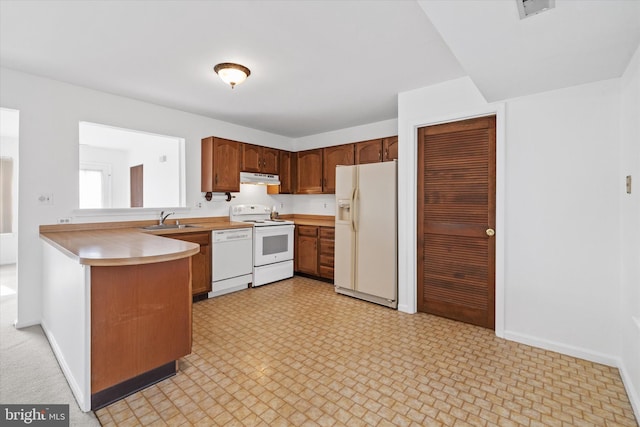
x,y
569,350
81,399
634,398
406,309
119,391
21,325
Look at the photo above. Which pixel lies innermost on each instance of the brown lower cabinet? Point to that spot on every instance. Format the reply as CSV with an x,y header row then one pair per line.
x,y
201,262
314,247
140,321
307,249
327,249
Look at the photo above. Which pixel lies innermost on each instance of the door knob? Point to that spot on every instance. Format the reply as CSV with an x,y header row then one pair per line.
x,y
490,232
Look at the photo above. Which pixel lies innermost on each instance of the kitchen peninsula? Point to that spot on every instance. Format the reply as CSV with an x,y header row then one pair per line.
x,y
116,306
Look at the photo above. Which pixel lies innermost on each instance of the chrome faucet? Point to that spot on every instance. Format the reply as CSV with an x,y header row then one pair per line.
x,y
163,217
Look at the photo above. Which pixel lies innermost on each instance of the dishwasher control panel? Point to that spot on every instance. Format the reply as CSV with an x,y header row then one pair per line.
x,y
234,234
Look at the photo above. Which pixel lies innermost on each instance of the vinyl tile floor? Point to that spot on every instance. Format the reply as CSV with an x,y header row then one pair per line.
x,y
295,353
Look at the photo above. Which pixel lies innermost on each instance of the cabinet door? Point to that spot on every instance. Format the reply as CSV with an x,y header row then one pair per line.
x,y
200,262
390,148
201,270
369,152
333,156
307,246
309,171
285,172
251,158
270,160
206,165
226,165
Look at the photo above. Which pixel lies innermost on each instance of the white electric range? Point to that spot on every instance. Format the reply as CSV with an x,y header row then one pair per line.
x,y
272,243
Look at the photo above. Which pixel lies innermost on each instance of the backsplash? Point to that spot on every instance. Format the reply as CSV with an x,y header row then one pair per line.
x,y
308,204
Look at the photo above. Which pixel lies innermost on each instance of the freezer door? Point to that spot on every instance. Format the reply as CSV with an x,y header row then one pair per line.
x,y
376,237
344,256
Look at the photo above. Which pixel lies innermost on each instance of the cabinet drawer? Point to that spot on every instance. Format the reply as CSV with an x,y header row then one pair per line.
x,y
327,233
326,272
326,260
307,230
327,247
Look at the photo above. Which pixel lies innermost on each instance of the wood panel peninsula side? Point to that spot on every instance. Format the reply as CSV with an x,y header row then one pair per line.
x,y
116,309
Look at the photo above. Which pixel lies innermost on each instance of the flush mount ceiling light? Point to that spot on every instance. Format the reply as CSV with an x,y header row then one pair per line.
x,y
232,74
533,7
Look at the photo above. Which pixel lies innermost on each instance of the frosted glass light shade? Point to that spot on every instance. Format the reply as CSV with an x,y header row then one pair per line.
x,y
232,74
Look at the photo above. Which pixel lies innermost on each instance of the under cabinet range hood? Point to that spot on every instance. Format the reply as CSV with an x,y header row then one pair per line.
x,y
259,178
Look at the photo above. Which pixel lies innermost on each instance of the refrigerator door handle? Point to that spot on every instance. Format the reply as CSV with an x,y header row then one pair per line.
x,y
354,210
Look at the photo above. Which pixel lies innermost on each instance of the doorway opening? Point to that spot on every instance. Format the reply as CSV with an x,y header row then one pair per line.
x,y
9,130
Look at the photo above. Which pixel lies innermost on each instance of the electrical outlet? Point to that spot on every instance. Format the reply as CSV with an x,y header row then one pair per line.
x,y
45,199
199,205
64,220
281,205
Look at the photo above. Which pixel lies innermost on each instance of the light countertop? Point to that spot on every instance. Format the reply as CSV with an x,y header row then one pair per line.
x,y
120,243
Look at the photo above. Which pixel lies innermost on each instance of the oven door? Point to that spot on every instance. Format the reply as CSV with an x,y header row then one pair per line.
x,y
272,244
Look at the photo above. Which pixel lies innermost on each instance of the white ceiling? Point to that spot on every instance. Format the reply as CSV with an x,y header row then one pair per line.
x,y
319,65
579,41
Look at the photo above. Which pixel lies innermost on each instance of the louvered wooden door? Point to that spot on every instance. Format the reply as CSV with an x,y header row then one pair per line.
x,y
456,220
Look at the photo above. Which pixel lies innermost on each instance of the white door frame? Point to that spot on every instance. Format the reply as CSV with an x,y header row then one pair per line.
x,y
407,206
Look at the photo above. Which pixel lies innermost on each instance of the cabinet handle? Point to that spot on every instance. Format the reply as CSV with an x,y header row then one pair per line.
x,y
379,155
386,154
216,180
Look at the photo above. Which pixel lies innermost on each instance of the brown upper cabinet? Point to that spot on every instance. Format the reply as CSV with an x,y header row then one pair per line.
x,y
303,172
390,149
377,150
260,159
309,172
220,162
287,171
369,151
332,157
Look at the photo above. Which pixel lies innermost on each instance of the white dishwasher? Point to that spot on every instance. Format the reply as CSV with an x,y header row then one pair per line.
x,y
232,263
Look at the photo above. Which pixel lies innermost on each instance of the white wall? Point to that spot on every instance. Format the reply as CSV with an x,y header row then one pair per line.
x,y
49,115
561,211
562,217
630,230
66,318
345,136
160,184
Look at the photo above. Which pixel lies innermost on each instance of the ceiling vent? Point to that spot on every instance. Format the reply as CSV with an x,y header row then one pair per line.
x,y
528,8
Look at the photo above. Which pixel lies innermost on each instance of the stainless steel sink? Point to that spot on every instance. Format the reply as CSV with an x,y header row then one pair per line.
x,y
168,226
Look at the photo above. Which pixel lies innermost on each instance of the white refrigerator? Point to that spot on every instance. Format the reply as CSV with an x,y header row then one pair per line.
x,y
366,232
